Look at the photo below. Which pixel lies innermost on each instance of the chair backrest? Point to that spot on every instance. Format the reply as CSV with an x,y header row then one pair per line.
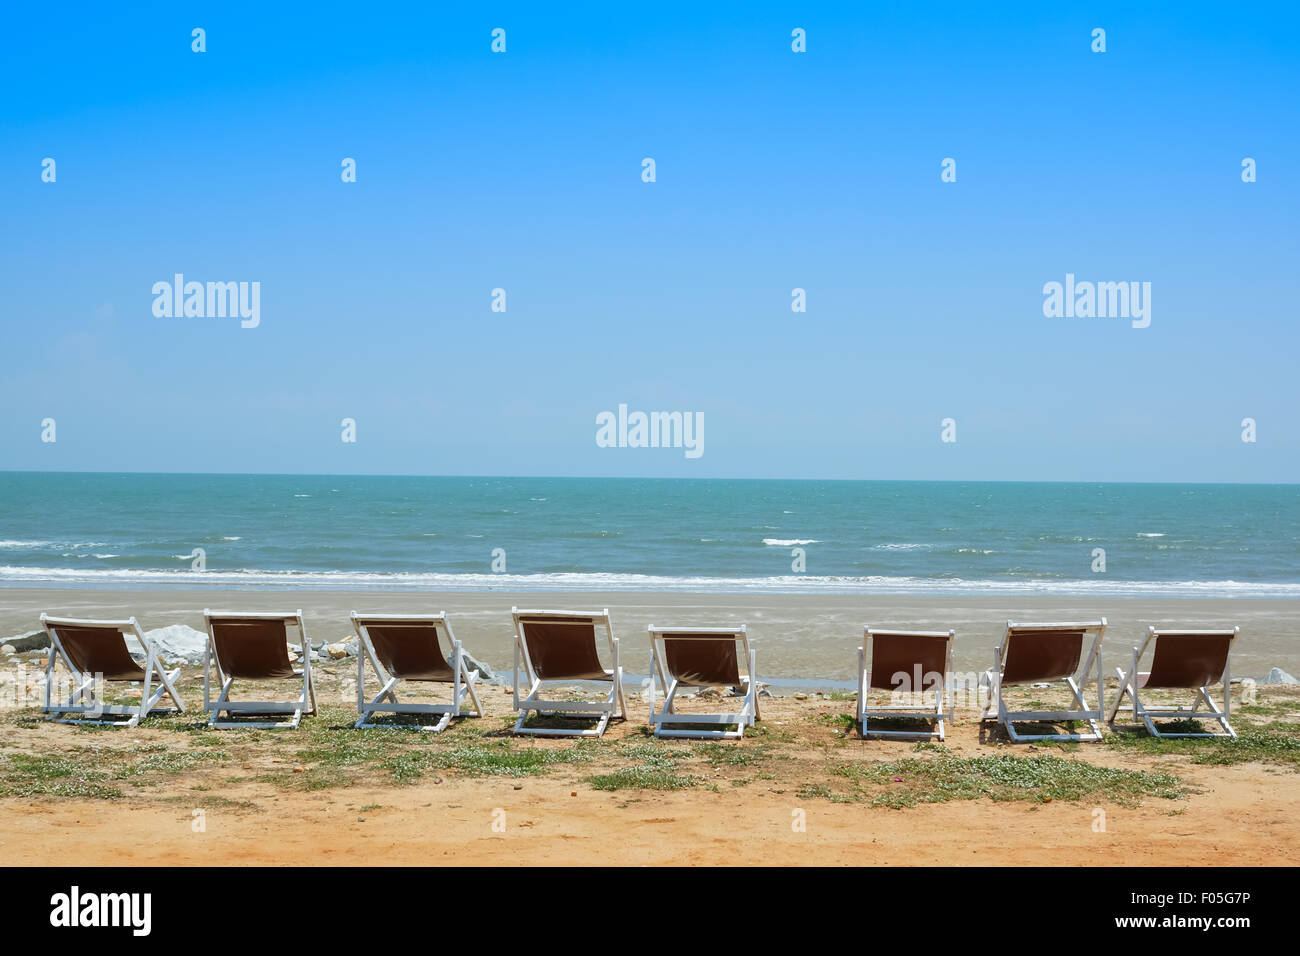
x,y
97,647
561,645
1046,652
1189,658
406,647
909,660
253,646
703,657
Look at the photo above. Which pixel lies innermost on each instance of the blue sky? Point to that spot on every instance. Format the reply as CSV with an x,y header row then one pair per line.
x,y
775,170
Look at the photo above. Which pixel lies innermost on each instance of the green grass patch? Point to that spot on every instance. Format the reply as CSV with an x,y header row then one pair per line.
x,y
29,775
1276,743
1041,779
739,754
484,759
655,768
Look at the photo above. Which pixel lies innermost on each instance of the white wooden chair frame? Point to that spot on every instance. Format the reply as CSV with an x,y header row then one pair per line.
x,y
992,680
614,704
462,681
223,703
85,698
662,720
1128,685
943,694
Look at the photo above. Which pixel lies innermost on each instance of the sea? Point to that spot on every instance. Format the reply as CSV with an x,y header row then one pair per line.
x,y
626,534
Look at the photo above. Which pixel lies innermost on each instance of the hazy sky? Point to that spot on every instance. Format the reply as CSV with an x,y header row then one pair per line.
x,y
775,170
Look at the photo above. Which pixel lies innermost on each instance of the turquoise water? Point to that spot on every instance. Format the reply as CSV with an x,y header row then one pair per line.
x,y
650,534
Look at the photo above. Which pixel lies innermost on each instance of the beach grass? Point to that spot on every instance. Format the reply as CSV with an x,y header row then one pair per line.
x,y
1001,777
654,767
809,747
1277,743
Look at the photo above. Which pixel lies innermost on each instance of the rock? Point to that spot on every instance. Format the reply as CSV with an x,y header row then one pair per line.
x,y
30,641
8,650
1278,676
337,651
801,696
176,642
474,664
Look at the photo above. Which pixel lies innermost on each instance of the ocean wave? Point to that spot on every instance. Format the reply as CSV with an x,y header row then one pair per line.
x,y
903,546
787,542
583,581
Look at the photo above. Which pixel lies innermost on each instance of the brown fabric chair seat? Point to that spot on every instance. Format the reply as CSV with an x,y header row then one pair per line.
x,y
894,654
702,660
99,650
410,650
253,649
1187,660
564,649
1035,656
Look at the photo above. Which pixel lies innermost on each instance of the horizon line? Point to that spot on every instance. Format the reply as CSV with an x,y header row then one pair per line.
x,y
936,481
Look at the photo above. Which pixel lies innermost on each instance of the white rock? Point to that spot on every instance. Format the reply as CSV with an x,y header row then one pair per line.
x,y
1278,676
472,663
337,651
8,650
30,641
176,642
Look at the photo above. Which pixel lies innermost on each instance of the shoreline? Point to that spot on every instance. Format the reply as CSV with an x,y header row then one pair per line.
x,y
621,583
808,638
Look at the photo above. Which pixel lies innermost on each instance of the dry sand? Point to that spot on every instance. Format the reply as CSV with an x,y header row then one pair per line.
x,y
1245,814
261,806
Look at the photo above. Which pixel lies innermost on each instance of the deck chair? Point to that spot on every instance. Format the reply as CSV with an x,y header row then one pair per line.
x,y
96,651
1046,653
560,647
916,662
254,646
1181,660
404,647
701,657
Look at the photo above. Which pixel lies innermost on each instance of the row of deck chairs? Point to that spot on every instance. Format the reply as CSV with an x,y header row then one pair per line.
x,y
562,648
1043,655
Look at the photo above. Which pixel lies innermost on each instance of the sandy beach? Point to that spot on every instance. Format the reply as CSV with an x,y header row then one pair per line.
x,y
801,789
804,641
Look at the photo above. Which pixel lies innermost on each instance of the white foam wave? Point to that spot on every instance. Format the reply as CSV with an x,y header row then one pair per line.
x,y
787,542
786,584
